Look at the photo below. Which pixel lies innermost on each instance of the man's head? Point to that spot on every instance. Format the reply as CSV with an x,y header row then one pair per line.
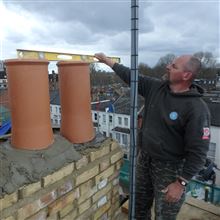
x,y
183,69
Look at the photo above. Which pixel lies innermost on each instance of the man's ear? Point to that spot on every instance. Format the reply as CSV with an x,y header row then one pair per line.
x,y
187,76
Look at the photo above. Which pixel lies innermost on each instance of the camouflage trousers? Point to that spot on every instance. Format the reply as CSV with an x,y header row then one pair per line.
x,y
152,176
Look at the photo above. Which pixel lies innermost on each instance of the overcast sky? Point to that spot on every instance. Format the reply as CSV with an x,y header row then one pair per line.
x,y
89,26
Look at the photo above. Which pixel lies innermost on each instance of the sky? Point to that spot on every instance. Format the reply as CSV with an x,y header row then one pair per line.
x,y
90,26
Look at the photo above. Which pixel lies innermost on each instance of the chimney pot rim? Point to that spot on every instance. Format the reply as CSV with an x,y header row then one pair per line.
x,y
26,61
79,63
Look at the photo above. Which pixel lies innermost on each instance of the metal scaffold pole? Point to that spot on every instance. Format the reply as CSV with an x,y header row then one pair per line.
x,y
134,95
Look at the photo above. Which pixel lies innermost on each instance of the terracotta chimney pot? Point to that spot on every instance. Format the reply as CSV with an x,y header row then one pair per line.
x,y
76,117
30,104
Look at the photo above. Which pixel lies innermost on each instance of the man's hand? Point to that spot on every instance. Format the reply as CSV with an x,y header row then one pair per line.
x,y
174,192
104,59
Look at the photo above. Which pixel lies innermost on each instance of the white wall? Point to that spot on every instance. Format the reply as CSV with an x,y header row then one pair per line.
x,y
55,114
103,119
106,127
215,138
3,83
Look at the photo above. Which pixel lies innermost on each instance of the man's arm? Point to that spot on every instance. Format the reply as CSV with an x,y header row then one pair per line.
x,y
122,71
145,83
197,138
104,59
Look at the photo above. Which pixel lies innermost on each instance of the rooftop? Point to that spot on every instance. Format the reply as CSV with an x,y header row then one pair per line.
x,y
119,106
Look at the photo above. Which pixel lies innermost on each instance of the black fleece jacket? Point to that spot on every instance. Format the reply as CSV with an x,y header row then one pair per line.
x,y
175,125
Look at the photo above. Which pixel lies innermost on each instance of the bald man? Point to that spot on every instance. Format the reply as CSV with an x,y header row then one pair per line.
x,y
174,135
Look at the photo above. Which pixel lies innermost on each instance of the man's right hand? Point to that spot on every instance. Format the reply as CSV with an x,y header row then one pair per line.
x,y
104,59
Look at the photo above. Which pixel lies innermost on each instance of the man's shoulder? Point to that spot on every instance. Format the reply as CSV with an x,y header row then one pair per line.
x,y
199,105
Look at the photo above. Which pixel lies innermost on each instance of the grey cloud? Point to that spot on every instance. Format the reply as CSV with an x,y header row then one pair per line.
x,y
99,16
94,15
50,33
165,27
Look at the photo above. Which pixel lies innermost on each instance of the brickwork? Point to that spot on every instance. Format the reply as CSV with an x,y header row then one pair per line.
x,y
86,189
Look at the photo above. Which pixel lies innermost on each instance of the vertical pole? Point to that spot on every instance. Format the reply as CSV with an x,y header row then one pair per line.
x,y
134,89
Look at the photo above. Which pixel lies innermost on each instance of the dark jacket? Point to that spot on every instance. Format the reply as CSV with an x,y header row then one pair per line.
x,y
175,125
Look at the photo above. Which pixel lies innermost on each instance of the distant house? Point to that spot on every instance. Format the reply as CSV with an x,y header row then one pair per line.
x,y
53,80
214,148
55,109
208,84
3,78
112,119
111,123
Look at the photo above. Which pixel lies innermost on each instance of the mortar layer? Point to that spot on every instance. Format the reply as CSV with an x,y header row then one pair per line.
x,y
21,167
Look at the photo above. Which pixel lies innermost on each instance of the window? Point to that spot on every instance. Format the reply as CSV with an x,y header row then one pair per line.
x,y
126,121
104,133
118,137
95,117
110,118
60,110
211,152
104,119
110,135
119,120
124,139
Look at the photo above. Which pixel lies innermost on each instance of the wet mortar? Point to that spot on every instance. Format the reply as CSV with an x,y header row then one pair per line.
x,y
20,167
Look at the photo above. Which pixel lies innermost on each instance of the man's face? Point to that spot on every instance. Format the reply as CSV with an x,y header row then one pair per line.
x,y
175,70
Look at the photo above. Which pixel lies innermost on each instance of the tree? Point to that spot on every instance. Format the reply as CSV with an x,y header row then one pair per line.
x,y
160,68
209,65
144,69
165,60
207,59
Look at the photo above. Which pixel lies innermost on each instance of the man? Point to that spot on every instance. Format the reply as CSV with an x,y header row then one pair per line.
x,y
175,136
